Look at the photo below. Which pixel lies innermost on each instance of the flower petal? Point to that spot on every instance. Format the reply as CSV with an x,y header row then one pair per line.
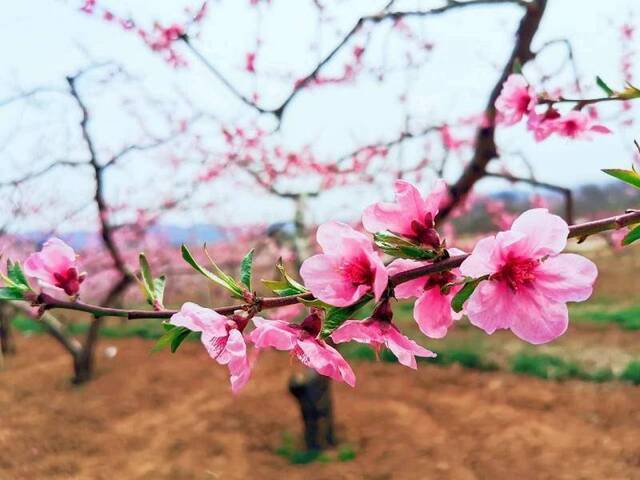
x,y
546,233
566,278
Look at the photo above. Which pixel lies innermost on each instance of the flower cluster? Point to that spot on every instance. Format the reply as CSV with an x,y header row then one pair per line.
x,y
518,100
517,280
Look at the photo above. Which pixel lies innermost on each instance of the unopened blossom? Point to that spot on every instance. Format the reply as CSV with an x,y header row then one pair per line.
x,y
432,309
528,281
379,331
221,336
411,215
301,340
348,268
516,100
55,267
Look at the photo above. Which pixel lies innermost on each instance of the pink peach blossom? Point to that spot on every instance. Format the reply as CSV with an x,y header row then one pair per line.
x,y
432,310
410,215
221,336
302,342
516,100
348,269
528,281
55,267
577,124
378,333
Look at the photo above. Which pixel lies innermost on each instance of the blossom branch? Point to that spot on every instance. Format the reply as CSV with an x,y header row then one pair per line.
x,y
580,231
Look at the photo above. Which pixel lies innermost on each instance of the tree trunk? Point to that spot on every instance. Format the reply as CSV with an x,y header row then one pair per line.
x,y
313,393
7,344
311,390
83,362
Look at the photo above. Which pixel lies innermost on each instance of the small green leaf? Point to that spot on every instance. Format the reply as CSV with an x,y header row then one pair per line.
x,y
286,285
15,274
223,280
172,338
465,292
629,93
601,83
632,236
336,316
11,293
245,269
628,176
400,247
159,285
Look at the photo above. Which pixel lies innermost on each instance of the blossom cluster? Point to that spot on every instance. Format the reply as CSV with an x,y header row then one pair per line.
x,y
517,280
518,99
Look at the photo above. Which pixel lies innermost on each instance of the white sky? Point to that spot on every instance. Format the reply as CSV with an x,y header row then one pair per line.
x,y
41,42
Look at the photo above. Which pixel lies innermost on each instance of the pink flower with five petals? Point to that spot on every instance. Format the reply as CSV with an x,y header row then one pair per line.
x,y
302,342
516,100
528,281
411,215
221,336
348,268
55,267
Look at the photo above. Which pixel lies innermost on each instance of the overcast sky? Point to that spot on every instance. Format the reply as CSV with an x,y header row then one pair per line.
x,y
43,41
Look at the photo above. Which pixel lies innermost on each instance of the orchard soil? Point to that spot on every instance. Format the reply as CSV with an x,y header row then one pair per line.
x,y
149,416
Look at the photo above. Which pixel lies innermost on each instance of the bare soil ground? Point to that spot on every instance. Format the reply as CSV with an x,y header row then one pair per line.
x,y
157,416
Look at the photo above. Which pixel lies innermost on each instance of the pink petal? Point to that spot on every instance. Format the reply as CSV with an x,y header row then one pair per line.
x,y
536,319
566,278
359,331
273,333
381,277
339,239
321,275
200,319
404,348
433,314
325,360
490,306
546,233
481,261
600,129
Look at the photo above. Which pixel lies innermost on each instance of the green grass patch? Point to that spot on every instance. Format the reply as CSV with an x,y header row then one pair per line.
x,y
551,367
466,356
143,329
627,318
631,373
296,456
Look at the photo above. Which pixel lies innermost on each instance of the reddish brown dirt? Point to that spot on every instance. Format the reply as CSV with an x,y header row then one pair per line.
x,y
172,417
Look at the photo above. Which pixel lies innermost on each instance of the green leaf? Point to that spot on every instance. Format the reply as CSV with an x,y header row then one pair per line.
x,y
158,288
628,176
401,247
15,274
179,338
601,83
221,279
632,236
629,93
172,338
336,316
465,292
245,269
11,293
286,285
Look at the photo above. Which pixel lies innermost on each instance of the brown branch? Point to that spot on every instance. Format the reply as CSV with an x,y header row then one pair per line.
x,y
303,82
486,149
580,231
565,192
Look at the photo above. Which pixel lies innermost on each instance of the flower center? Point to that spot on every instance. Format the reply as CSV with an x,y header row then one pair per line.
x,y
516,272
68,280
358,271
425,232
523,103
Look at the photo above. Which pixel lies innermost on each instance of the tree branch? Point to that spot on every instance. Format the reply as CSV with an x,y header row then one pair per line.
x,y
580,231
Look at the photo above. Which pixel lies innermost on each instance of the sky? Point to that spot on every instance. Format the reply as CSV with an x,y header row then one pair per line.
x,y
42,42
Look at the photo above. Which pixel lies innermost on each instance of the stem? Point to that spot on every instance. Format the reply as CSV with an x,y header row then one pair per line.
x,y
580,231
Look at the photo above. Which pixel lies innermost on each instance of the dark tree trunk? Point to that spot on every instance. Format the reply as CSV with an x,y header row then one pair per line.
x,y
7,344
313,393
